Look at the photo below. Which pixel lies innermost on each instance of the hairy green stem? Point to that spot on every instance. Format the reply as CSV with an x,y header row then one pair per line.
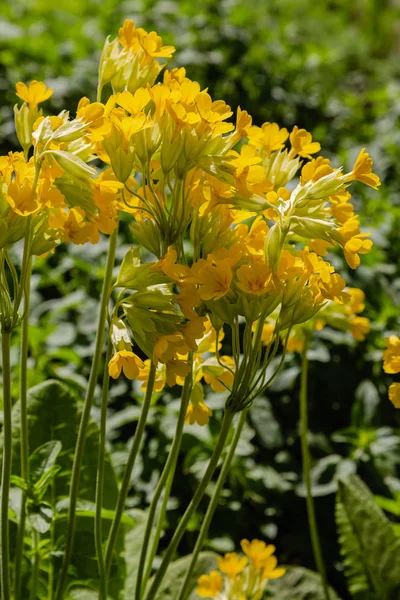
x,y
100,478
6,469
200,491
166,477
213,504
126,480
85,417
316,545
24,433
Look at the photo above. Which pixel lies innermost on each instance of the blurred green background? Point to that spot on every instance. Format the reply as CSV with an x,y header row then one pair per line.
x,y
332,67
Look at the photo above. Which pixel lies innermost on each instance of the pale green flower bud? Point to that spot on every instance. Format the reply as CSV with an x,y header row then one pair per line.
x,y
25,118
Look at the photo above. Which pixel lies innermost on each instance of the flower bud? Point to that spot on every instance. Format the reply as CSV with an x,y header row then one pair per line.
x,y
72,164
273,244
24,118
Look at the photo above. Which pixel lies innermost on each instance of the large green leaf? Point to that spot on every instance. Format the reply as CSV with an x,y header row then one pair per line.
x,y
300,584
379,548
53,416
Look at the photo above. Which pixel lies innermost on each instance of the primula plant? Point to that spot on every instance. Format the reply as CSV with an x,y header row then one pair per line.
x,y
233,226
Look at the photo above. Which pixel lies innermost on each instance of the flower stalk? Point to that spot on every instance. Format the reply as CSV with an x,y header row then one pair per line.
x,y
312,521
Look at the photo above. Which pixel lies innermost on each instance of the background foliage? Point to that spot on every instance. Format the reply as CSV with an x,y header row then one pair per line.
x,y
331,67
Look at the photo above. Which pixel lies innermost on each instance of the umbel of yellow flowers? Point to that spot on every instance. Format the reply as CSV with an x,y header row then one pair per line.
x,y
259,244
241,577
237,222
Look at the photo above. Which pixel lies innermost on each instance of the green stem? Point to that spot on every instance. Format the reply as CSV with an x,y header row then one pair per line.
x,y
36,567
100,478
316,545
123,492
24,433
213,504
200,491
85,417
165,479
6,468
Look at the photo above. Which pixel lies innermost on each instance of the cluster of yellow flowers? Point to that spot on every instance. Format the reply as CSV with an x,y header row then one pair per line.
x,y
237,222
243,577
391,365
258,242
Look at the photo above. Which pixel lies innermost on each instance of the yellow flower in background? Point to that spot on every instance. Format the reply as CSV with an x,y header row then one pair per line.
x,y
302,144
167,347
35,93
394,394
198,413
391,356
219,378
359,327
357,300
362,171
258,551
267,332
270,571
231,564
160,379
125,361
209,586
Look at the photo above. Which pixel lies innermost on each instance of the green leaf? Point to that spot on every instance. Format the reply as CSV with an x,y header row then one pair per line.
x,y
354,568
43,459
54,413
298,583
176,573
19,483
40,517
379,548
41,486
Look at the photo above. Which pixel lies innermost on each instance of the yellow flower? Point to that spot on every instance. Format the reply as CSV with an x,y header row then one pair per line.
x,y
33,94
231,564
315,169
167,347
391,356
255,279
257,551
394,394
125,361
267,333
358,244
359,327
270,571
177,370
302,143
194,330
332,289
73,225
160,380
269,137
218,378
295,342
209,586
198,413
362,171
214,280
